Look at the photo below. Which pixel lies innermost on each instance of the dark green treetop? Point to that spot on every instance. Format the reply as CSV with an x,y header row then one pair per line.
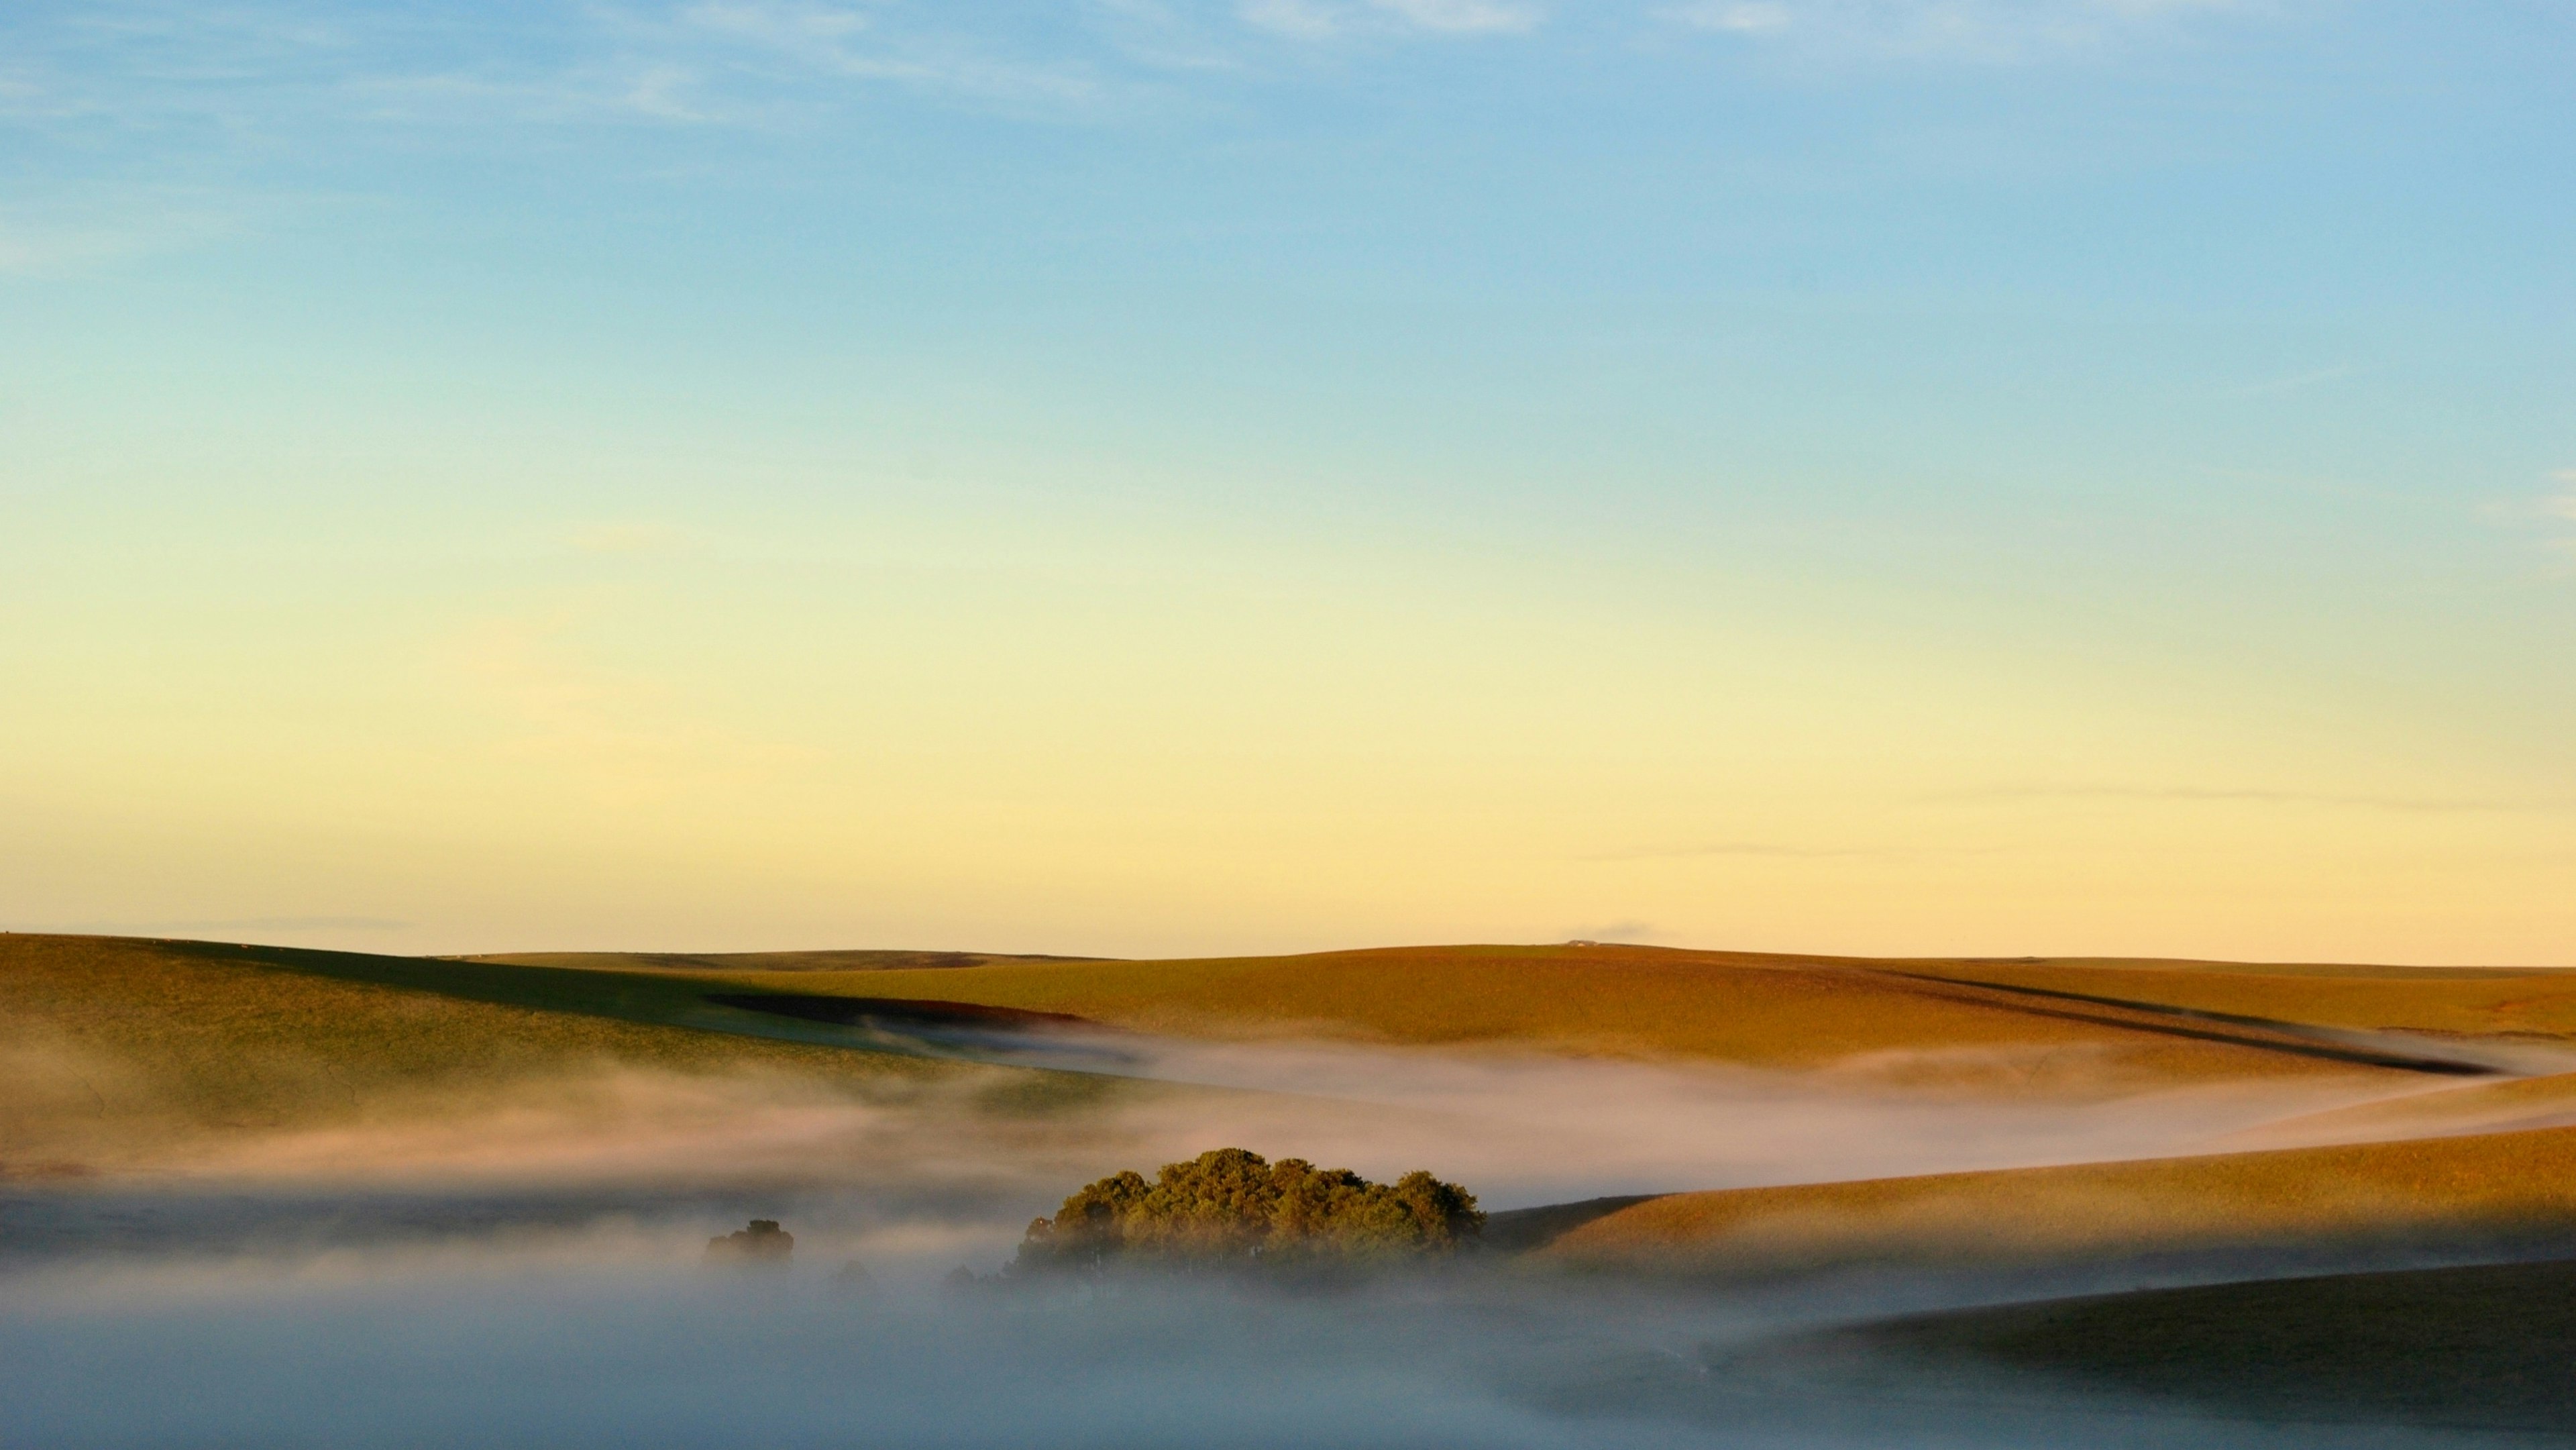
x,y
1233,1206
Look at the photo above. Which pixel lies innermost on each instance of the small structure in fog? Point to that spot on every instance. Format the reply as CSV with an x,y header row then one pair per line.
x,y
762,1244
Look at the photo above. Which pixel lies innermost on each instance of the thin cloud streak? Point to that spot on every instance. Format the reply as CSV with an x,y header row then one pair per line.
x,y
1617,931
1463,16
1975,31
185,80
96,227
636,537
2235,795
2295,382
188,79
2564,505
828,41
1744,848
226,925
626,738
1318,20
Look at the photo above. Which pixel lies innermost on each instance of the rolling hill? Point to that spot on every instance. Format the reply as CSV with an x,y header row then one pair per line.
x,y
2481,1347
160,1037
2493,1106
1927,1019
2457,1192
113,1048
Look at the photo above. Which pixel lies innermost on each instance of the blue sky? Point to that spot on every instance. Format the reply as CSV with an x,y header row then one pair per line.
x,y
1182,441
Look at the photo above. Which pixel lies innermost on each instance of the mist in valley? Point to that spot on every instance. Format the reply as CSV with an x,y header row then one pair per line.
x,y
617,1335
524,1265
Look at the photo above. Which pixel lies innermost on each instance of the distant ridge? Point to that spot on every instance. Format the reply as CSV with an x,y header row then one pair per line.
x,y
889,960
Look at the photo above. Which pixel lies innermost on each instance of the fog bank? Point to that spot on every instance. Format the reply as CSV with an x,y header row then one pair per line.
x,y
622,1343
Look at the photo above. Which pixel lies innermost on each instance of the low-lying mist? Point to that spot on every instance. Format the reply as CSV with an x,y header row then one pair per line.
x,y
521,1264
1519,1128
1525,1129
618,1337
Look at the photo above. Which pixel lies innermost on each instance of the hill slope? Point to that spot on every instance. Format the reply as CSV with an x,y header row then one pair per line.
x,y
2481,1347
99,1033
1925,1019
2533,1004
110,1048
1940,1018
2493,1187
2494,1106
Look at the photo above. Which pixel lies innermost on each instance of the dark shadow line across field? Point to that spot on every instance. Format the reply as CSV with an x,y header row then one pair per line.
x,y
944,1031
922,1011
2302,1041
973,1031
1519,1230
673,1000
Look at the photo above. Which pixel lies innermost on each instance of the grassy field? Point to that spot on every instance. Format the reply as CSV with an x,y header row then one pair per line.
x,y
111,1050
2527,1003
1919,1021
2484,1347
111,1047
192,1035
2496,1106
2504,1186
703,962
1922,1020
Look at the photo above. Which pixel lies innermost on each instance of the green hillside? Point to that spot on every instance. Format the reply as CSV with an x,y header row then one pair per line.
x,y
111,1048
2475,1348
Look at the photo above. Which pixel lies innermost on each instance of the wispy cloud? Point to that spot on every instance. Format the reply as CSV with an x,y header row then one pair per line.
x,y
1296,19
2561,507
272,73
1170,34
819,31
1992,31
2234,795
95,228
177,100
1624,930
625,737
24,97
2563,504
38,250
231,925
1326,19
1463,16
212,96
851,44
625,91
2542,517
1745,19
1739,848
632,537
2294,382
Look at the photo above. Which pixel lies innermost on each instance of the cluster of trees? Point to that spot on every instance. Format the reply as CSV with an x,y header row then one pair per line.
x,y
763,1243
1233,1207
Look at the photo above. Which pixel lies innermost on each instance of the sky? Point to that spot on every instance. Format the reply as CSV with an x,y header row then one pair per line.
x,y
1145,477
